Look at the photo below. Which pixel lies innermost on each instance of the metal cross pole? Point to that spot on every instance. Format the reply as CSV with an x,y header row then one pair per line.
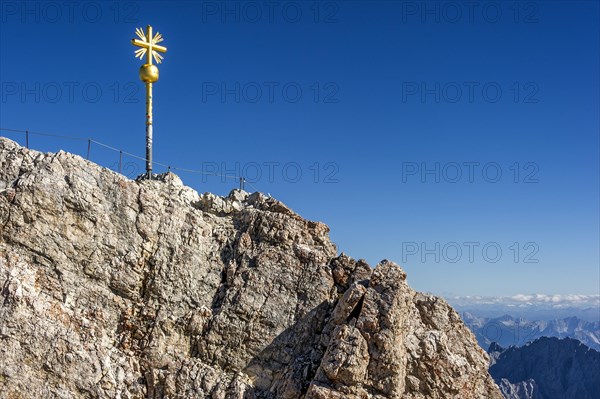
x,y
148,74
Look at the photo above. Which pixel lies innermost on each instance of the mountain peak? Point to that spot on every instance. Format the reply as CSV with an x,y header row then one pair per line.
x,y
494,347
121,288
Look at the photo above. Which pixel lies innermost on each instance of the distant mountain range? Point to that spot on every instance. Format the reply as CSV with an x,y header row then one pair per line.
x,y
548,368
530,306
509,330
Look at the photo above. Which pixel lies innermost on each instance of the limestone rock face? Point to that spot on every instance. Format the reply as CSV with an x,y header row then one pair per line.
x,y
112,288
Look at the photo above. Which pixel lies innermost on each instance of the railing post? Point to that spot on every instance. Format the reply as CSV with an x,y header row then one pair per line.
x,y
89,149
120,160
27,138
242,180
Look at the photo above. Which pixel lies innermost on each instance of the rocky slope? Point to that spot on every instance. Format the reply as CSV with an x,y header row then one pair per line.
x,y
548,368
112,288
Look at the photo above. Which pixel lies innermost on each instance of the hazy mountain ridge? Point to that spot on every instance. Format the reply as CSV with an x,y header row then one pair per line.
x,y
531,306
547,368
508,330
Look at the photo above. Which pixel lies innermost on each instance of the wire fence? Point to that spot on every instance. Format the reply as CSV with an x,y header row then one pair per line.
x,y
127,169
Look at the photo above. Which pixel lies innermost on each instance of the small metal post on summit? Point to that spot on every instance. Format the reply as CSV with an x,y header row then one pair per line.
x,y
148,74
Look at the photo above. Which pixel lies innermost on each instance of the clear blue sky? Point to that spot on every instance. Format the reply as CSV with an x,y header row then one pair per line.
x,y
366,93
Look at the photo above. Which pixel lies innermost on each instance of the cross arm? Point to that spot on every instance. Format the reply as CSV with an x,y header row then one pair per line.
x,y
140,43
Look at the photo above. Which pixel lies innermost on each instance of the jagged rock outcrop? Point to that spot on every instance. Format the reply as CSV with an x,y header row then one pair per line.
x,y
547,368
112,288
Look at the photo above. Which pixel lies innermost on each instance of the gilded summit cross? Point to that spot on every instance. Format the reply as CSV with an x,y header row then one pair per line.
x,y
149,74
149,45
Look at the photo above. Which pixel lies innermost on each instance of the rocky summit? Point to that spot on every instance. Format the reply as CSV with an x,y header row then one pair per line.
x,y
113,288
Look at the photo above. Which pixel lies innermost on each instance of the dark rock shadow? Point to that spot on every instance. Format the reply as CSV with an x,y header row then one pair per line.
x,y
288,364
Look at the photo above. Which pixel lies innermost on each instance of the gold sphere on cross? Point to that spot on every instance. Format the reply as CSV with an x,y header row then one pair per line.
x,y
149,73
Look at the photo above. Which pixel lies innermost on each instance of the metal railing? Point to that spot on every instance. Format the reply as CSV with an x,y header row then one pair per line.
x,y
90,142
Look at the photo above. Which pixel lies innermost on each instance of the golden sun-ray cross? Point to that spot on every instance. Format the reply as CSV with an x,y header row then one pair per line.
x,y
149,75
149,45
